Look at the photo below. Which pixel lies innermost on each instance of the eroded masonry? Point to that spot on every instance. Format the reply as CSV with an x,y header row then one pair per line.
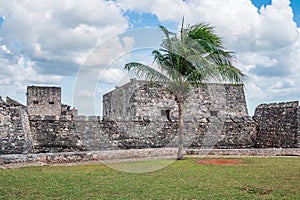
x,y
143,115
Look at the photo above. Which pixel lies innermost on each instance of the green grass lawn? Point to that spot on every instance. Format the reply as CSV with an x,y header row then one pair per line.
x,y
257,178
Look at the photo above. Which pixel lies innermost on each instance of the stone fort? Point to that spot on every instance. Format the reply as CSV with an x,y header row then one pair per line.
x,y
141,115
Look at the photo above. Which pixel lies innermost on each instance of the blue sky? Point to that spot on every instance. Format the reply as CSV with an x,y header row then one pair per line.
x,y
83,47
295,4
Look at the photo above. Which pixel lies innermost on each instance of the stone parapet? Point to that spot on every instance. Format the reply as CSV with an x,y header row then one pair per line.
x,y
125,155
278,125
81,118
68,157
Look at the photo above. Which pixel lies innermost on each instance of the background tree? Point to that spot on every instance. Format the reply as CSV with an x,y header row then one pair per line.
x,y
193,56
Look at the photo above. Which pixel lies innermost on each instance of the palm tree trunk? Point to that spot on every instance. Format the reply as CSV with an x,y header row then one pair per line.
x,y
180,132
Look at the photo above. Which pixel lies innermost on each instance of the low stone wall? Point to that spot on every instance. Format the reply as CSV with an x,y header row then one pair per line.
x,y
70,157
150,153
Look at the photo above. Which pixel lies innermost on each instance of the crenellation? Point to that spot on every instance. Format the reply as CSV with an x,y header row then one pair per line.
x,y
94,118
81,118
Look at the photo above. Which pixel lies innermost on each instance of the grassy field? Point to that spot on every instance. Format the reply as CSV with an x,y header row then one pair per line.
x,y
256,178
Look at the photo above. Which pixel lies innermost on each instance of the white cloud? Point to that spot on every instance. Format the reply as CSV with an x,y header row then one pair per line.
x,y
239,22
86,93
5,49
59,31
104,64
266,40
277,28
164,10
15,77
257,58
42,41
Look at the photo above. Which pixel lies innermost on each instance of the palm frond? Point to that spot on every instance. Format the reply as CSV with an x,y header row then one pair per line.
x,y
195,56
146,72
230,73
167,65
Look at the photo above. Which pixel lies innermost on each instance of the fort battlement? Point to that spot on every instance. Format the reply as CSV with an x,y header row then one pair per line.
x,y
140,115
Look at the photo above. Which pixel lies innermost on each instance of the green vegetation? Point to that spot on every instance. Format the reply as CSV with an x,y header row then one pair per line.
x,y
256,178
194,56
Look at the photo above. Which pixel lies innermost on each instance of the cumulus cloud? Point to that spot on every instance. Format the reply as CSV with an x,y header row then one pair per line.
x,y
59,32
105,65
42,42
241,24
266,40
14,77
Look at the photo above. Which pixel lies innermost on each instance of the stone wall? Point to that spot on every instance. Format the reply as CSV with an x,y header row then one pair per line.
x,y
217,101
52,135
44,101
278,125
21,160
14,129
233,133
93,134
238,133
140,100
141,115
111,135
116,105
298,132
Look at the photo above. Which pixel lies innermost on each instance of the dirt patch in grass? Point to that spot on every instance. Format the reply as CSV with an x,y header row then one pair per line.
x,y
220,161
256,191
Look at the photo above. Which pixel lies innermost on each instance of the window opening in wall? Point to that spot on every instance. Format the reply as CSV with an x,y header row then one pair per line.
x,y
166,113
35,102
214,113
51,102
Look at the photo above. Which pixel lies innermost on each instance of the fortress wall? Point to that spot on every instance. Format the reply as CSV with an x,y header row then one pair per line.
x,y
140,115
116,104
216,100
112,135
140,100
44,101
151,102
298,133
233,133
277,125
96,134
236,101
230,132
92,133
52,135
238,133
14,130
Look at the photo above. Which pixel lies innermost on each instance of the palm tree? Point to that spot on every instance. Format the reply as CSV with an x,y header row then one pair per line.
x,y
192,57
